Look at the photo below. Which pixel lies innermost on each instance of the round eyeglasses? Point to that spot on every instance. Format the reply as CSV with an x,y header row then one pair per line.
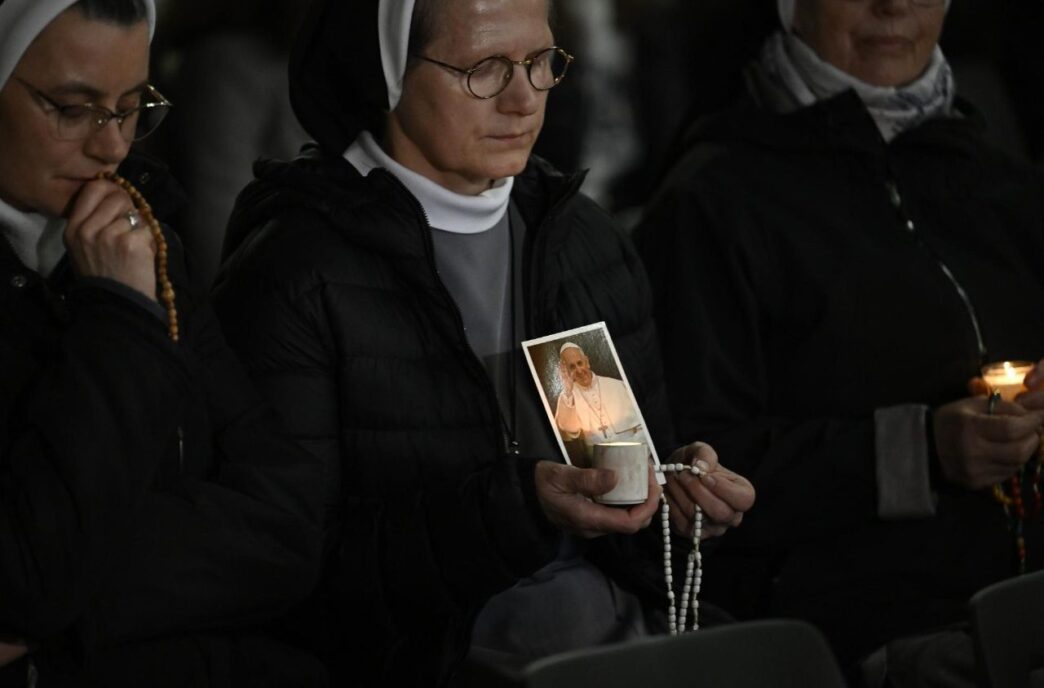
x,y
78,122
489,77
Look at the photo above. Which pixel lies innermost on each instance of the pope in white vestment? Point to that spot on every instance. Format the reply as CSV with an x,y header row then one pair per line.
x,y
593,407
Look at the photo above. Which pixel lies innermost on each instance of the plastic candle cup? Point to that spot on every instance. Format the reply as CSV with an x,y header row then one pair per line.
x,y
1007,377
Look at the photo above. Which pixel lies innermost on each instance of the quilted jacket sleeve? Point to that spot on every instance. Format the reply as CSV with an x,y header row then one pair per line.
x,y
217,547
708,287
81,442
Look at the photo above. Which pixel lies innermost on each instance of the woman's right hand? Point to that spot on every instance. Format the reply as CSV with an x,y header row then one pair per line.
x,y
977,449
102,243
565,495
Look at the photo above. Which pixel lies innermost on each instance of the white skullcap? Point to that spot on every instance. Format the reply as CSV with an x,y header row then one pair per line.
x,y
394,18
786,12
21,21
569,345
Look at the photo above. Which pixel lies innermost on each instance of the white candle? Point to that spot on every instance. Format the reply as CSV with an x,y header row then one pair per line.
x,y
1007,377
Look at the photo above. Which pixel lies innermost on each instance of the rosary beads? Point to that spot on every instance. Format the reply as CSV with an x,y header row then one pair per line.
x,y
677,617
166,289
1014,502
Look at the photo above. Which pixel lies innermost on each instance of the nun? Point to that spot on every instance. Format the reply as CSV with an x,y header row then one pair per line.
x,y
148,501
834,257
378,288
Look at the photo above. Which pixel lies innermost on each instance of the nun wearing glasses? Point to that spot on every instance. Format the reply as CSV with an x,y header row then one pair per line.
x,y
146,499
378,288
834,258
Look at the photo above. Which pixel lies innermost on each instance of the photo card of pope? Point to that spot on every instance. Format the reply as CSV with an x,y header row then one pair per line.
x,y
585,392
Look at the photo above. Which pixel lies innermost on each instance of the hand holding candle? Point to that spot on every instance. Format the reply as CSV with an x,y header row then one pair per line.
x,y
977,448
565,495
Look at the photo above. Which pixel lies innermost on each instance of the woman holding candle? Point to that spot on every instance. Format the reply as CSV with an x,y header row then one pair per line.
x,y
834,258
379,287
146,498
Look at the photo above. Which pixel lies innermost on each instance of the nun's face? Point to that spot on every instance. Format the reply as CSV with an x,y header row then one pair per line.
x,y
74,60
439,129
881,42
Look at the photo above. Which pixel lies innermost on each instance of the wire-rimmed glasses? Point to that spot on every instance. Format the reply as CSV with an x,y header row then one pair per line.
x,y
78,122
490,76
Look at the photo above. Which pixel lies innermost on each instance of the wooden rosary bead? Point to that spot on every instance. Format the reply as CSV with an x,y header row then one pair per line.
x,y
166,289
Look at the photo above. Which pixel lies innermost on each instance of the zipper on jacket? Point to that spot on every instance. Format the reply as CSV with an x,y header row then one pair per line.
x,y
506,436
502,435
181,450
896,200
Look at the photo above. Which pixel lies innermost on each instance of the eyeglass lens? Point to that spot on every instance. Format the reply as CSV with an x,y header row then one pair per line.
x,y
492,75
78,122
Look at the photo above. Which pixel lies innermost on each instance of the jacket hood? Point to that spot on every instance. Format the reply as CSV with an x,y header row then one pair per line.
x,y
337,83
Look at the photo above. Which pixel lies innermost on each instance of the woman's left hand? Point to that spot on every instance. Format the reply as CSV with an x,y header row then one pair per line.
x,y
723,495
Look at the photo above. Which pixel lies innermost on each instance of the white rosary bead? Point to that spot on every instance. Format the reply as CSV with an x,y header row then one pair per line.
x,y
677,617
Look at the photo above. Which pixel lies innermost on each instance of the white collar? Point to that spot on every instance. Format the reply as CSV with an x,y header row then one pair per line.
x,y
35,238
446,210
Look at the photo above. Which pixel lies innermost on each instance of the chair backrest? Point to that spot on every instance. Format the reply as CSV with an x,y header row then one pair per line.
x,y
1008,625
756,654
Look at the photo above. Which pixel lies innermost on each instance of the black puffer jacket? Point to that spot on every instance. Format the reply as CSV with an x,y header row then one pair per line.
x,y
797,263
145,491
333,301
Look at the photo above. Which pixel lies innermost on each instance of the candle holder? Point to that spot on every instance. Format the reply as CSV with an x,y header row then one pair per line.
x,y
630,462
1007,378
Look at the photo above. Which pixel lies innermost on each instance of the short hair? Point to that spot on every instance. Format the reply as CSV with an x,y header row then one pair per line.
x,y
425,20
122,12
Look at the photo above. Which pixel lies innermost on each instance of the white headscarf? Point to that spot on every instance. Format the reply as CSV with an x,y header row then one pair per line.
x,y
795,68
22,20
35,238
393,28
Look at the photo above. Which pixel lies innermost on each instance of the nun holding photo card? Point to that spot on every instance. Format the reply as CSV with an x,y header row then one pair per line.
x,y
585,393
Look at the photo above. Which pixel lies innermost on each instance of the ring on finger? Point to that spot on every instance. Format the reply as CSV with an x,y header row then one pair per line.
x,y
133,218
